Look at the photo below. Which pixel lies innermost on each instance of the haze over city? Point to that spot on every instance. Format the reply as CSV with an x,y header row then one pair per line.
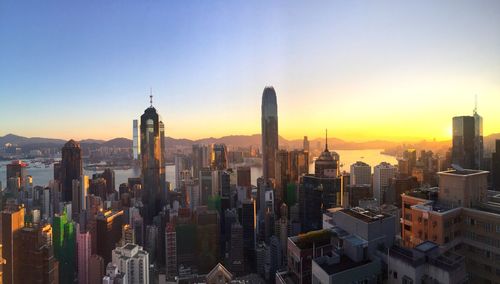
x,y
384,70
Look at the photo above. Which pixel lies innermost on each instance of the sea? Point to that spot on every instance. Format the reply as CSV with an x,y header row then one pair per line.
x,y
42,175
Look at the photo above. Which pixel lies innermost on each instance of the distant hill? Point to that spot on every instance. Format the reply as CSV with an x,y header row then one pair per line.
x,y
118,143
250,140
21,141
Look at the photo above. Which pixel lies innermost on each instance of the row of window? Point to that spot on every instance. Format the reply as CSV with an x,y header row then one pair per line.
x,y
482,239
487,227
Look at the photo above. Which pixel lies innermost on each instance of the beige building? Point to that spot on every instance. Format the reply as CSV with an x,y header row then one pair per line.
x,y
462,216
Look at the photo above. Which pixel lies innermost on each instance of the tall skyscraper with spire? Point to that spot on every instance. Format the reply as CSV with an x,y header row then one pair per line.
x,y
327,164
152,162
467,150
478,138
269,132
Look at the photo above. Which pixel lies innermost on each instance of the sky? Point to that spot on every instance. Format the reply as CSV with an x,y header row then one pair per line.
x,y
366,70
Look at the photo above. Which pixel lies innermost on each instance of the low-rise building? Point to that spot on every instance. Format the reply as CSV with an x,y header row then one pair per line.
x,y
425,264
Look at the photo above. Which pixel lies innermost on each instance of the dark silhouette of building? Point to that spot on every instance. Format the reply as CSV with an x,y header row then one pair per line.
x,y
310,203
109,176
243,176
269,132
327,164
71,168
248,221
153,163
109,232
495,166
237,264
219,157
16,169
467,150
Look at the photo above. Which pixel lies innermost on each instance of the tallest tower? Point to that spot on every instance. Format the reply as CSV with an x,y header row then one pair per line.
x,y
269,132
152,163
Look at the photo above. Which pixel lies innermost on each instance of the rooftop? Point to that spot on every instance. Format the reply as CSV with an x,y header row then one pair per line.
x,y
344,263
463,172
365,215
317,238
421,254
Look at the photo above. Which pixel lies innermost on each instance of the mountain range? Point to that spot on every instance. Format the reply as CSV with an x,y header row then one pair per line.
x,y
233,141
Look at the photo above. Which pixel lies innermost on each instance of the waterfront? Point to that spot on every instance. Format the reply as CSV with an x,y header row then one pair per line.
x,y
42,176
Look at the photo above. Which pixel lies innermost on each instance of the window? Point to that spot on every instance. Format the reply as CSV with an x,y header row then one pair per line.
x,y
395,275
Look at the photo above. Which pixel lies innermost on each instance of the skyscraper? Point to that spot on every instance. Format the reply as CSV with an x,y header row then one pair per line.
x,y
84,252
382,174
269,132
16,169
12,223
36,256
135,140
467,141
361,173
153,163
495,166
109,232
478,139
171,250
219,157
71,168
327,164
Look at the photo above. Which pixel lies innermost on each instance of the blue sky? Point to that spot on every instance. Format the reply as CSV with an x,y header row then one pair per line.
x,y
364,69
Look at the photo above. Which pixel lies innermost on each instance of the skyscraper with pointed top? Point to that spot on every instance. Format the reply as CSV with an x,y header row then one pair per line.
x,y
327,164
152,163
269,132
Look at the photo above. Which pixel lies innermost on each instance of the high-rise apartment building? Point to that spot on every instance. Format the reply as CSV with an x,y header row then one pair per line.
x,y
84,246
171,250
269,132
132,261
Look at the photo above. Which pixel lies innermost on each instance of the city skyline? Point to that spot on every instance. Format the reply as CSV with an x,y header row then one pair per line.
x,y
365,72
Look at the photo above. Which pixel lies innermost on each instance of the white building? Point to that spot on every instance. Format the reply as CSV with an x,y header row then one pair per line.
x,y
382,174
361,173
136,149
132,261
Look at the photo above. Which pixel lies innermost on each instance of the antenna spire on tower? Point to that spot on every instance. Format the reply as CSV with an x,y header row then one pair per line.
x,y
475,104
151,96
326,139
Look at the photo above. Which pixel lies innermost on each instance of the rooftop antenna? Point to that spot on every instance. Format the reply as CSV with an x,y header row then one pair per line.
x,y
326,139
475,104
151,96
